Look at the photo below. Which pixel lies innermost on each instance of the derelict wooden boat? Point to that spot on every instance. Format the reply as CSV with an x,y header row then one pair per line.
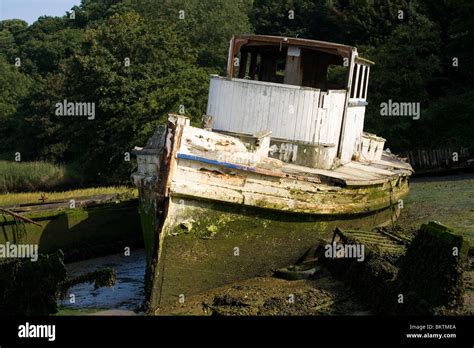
x,y
90,228
281,162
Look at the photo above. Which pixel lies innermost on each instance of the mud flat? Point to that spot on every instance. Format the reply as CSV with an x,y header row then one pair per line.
x,y
448,199
273,296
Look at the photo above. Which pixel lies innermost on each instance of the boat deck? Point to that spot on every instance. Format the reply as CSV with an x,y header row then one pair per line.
x,y
357,173
228,151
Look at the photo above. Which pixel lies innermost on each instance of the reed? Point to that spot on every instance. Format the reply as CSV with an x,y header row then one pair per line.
x,y
31,176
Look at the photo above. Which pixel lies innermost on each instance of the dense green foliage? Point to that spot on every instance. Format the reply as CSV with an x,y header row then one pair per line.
x,y
139,60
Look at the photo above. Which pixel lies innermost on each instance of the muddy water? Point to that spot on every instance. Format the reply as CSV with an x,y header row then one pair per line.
x,y
449,200
127,294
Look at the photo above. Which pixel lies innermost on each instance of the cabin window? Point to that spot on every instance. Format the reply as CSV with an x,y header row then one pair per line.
x,y
280,70
336,76
354,80
292,65
360,79
267,64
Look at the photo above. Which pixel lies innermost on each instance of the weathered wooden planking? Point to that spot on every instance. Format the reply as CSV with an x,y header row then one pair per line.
x,y
369,168
311,205
336,175
352,132
359,174
227,151
394,164
388,167
206,181
290,112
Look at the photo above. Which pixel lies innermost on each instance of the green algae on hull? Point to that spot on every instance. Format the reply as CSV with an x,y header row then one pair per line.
x,y
205,244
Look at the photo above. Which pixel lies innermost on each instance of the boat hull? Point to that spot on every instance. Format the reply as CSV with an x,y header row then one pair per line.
x,y
213,212
206,244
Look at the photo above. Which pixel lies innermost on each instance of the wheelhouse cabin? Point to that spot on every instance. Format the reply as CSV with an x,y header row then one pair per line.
x,y
311,95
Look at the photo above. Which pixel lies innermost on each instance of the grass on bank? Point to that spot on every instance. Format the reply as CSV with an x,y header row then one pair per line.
x,y
32,176
11,199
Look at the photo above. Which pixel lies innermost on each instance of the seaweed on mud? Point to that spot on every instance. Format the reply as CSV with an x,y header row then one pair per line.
x,y
228,305
301,302
100,278
432,271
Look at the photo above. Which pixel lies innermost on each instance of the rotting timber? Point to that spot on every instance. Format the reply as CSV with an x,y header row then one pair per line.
x,y
420,276
97,225
259,186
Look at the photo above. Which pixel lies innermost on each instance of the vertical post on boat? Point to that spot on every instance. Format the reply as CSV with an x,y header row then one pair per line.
x,y
351,57
230,59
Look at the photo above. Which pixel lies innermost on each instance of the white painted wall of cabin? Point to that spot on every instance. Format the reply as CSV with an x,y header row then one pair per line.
x,y
246,106
352,138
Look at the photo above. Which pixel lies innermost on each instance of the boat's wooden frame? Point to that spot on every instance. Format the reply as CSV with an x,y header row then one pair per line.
x,y
207,195
232,201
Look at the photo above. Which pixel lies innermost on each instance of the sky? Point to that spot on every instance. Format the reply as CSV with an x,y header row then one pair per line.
x,y
30,10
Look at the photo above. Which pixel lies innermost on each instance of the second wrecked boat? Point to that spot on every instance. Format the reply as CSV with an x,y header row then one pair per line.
x,y
282,160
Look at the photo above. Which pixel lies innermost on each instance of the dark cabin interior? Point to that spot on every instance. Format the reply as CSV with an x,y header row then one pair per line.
x,y
307,67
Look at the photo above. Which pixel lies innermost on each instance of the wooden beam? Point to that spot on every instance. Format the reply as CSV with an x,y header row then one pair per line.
x,y
243,64
346,103
230,59
293,71
18,216
360,90
253,64
366,82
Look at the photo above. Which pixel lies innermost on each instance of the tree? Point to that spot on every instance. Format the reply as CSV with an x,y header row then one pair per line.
x,y
13,88
134,76
405,65
208,25
9,30
303,18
